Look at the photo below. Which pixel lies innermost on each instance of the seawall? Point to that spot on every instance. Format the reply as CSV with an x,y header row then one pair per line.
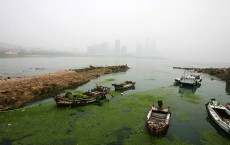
x,y
16,93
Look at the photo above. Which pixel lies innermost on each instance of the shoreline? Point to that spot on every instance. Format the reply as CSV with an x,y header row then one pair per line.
x,y
18,92
222,73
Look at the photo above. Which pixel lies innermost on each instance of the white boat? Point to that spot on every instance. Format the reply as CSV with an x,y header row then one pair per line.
x,y
189,77
220,114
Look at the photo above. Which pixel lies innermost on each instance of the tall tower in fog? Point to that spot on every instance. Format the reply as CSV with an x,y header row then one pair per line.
x,y
117,47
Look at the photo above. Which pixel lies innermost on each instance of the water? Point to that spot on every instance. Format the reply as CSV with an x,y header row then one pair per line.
x,y
122,119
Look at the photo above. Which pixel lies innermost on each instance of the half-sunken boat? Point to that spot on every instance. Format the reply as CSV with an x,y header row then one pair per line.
x,y
220,114
190,77
158,119
77,99
125,85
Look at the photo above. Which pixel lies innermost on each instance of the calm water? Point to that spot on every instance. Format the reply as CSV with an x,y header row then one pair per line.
x,y
190,121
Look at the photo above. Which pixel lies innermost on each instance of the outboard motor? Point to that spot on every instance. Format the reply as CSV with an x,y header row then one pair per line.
x,y
160,103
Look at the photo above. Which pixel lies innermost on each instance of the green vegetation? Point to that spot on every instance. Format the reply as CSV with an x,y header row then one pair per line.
x,y
192,98
184,117
72,94
106,81
115,93
212,138
110,79
121,120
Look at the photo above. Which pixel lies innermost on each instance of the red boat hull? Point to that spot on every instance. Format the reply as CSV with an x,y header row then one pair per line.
x,y
157,131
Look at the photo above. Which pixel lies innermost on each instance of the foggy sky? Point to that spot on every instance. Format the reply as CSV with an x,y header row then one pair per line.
x,y
183,29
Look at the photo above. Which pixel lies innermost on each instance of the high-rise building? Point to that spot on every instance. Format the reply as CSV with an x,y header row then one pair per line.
x,y
123,50
117,47
139,49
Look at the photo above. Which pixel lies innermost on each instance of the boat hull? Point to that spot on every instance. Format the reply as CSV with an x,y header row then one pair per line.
x,y
95,95
220,114
158,121
124,86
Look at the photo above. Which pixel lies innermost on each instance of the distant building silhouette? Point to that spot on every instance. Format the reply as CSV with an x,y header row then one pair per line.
x,y
148,49
117,47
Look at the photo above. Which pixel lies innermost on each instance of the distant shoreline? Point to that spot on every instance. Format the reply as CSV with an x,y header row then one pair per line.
x,y
222,73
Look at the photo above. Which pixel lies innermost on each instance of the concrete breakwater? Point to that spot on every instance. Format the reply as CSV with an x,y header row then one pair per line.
x,y
16,93
222,73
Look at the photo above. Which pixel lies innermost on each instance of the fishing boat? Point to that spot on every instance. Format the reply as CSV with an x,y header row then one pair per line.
x,y
101,89
220,114
125,85
189,77
94,95
158,119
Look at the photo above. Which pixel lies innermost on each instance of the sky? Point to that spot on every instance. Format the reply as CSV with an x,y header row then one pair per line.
x,y
183,29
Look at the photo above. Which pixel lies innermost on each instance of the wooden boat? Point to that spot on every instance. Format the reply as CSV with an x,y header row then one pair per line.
x,y
94,95
125,85
158,119
220,114
101,89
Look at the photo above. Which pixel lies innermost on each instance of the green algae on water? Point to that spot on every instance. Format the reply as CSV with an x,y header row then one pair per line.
x,y
150,79
184,117
210,137
106,81
115,93
192,98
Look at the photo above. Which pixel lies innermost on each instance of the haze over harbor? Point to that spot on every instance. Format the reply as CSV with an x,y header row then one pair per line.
x,y
42,42
185,30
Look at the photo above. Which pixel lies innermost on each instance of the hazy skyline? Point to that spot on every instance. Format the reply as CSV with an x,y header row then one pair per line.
x,y
183,29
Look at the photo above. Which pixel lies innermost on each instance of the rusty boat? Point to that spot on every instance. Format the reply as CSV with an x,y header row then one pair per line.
x,y
158,119
94,95
124,86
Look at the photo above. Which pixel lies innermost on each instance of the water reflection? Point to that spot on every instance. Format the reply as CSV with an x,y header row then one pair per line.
x,y
188,89
126,89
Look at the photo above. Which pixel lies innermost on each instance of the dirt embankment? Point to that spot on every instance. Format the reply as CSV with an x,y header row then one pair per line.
x,y
16,93
222,73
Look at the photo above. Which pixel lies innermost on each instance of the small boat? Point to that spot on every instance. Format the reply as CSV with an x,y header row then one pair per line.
x,y
228,106
102,89
190,77
125,85
220,114
94,95
158,119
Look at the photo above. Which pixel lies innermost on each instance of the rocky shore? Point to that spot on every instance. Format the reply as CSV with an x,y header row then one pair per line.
x,y
17,92
222,73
